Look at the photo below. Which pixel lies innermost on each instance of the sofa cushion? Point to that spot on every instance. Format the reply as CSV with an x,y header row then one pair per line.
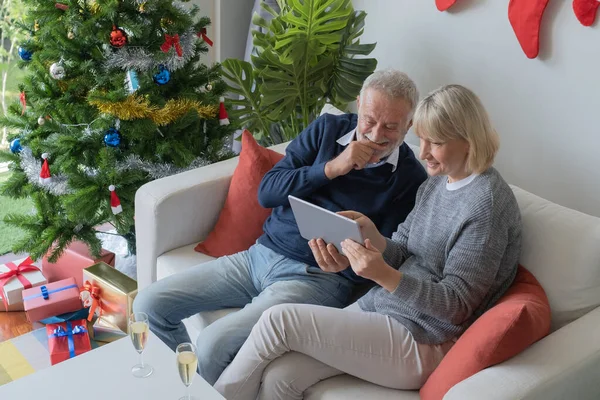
x,y
520,318
178,260
241,219
561,247
346,387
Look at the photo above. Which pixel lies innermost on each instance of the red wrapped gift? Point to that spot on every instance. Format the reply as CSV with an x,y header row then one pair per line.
x,y
72,262
51,299
67,340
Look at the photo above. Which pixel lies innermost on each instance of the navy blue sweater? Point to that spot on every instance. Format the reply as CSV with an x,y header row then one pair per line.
x,y
384,196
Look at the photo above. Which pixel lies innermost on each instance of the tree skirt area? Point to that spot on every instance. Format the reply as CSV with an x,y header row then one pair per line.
x,y
124,262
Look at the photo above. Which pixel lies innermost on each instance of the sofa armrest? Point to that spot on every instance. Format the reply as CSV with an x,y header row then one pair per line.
x,y
176,211
179,210
563,365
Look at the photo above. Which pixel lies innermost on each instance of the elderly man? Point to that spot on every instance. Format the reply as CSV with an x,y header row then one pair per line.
x,y
348,162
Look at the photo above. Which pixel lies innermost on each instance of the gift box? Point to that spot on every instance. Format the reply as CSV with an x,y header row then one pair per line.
x,y
51,299
102,331
67,340
14,277
109,293
71,263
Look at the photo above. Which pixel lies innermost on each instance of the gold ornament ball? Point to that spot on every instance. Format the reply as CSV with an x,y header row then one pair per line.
x,y
208,87
41,121
70,35
165,23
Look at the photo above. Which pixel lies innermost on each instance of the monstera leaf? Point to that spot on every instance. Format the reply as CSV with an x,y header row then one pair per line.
x,y
247,108
307,54
350,72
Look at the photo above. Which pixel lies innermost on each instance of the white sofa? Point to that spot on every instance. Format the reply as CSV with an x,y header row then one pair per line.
x,y
561,247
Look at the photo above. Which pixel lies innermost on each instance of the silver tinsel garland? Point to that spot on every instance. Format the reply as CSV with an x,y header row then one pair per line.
x,y
59,185
141,60
157,170
32,167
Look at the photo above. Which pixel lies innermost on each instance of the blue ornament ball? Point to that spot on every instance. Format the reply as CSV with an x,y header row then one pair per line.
x,y
15,146
112,138
25,54
163,76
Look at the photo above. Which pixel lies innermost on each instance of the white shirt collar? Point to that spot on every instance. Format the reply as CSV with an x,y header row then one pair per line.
x,y
460,184
391,159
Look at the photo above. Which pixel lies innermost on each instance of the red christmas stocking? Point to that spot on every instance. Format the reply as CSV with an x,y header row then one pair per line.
x,y
525,17
443,5
585,10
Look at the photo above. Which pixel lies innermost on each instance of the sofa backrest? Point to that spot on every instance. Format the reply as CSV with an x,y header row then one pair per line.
x,y
561,247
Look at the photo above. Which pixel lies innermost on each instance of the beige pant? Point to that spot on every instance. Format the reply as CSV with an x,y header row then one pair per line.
x,y
294,346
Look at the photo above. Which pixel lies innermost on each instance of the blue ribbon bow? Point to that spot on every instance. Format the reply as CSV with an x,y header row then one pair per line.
x,y
69,332
45,293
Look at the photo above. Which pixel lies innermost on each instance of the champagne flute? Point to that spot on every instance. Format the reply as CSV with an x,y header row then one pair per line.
x,y
187,363
138,330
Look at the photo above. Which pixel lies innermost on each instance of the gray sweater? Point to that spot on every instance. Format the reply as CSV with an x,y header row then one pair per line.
x,y
458,251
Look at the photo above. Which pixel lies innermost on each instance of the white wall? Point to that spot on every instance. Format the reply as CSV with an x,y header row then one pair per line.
x,y
546,110
207,9
234,17
230,21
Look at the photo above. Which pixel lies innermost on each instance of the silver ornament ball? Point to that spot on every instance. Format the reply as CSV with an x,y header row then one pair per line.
x,y
41,121
57,71
208,87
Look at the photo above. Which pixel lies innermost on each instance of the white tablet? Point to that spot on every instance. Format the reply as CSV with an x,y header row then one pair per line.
x,y
316,222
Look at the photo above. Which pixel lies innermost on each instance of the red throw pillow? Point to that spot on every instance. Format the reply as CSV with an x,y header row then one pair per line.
x,y
520,318
241,219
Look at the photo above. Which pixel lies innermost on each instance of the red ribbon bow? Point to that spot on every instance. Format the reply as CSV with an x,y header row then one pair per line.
x,y
16,271
23,101
172,41
95,294
202,34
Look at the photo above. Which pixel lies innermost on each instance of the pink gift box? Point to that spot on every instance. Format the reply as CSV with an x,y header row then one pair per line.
x,y
51,299
72,262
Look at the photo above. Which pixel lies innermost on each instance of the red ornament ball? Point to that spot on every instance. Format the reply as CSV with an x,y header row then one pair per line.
x,y
118,37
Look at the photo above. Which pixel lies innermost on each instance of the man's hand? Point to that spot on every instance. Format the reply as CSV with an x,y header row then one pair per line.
x,y
355,156
327,256
367,262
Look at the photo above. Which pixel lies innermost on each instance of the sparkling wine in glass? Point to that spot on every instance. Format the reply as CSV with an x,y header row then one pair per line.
x,y
138,330
187,363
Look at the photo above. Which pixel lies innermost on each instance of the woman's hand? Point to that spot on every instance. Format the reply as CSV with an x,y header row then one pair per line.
x,y
367,228
368,263
327,256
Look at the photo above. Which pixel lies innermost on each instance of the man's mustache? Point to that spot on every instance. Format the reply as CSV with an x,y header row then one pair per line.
x,y
366,135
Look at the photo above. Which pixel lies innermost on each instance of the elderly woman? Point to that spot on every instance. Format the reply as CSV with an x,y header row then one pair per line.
x,y
449,262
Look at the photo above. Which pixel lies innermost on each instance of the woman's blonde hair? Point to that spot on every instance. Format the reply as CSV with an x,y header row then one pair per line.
x,y
455,112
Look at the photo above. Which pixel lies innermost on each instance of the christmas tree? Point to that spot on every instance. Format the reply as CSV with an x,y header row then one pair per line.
x,y
115,96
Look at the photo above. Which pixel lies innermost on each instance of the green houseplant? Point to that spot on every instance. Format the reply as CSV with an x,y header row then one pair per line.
x,y
305,56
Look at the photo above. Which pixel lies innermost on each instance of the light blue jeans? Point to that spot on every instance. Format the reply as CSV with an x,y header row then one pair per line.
x,y
255,279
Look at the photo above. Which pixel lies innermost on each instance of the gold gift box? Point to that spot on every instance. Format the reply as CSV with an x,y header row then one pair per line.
x,y
117,292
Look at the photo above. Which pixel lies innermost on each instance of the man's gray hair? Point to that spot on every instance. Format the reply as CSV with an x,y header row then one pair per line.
x,y
395,84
